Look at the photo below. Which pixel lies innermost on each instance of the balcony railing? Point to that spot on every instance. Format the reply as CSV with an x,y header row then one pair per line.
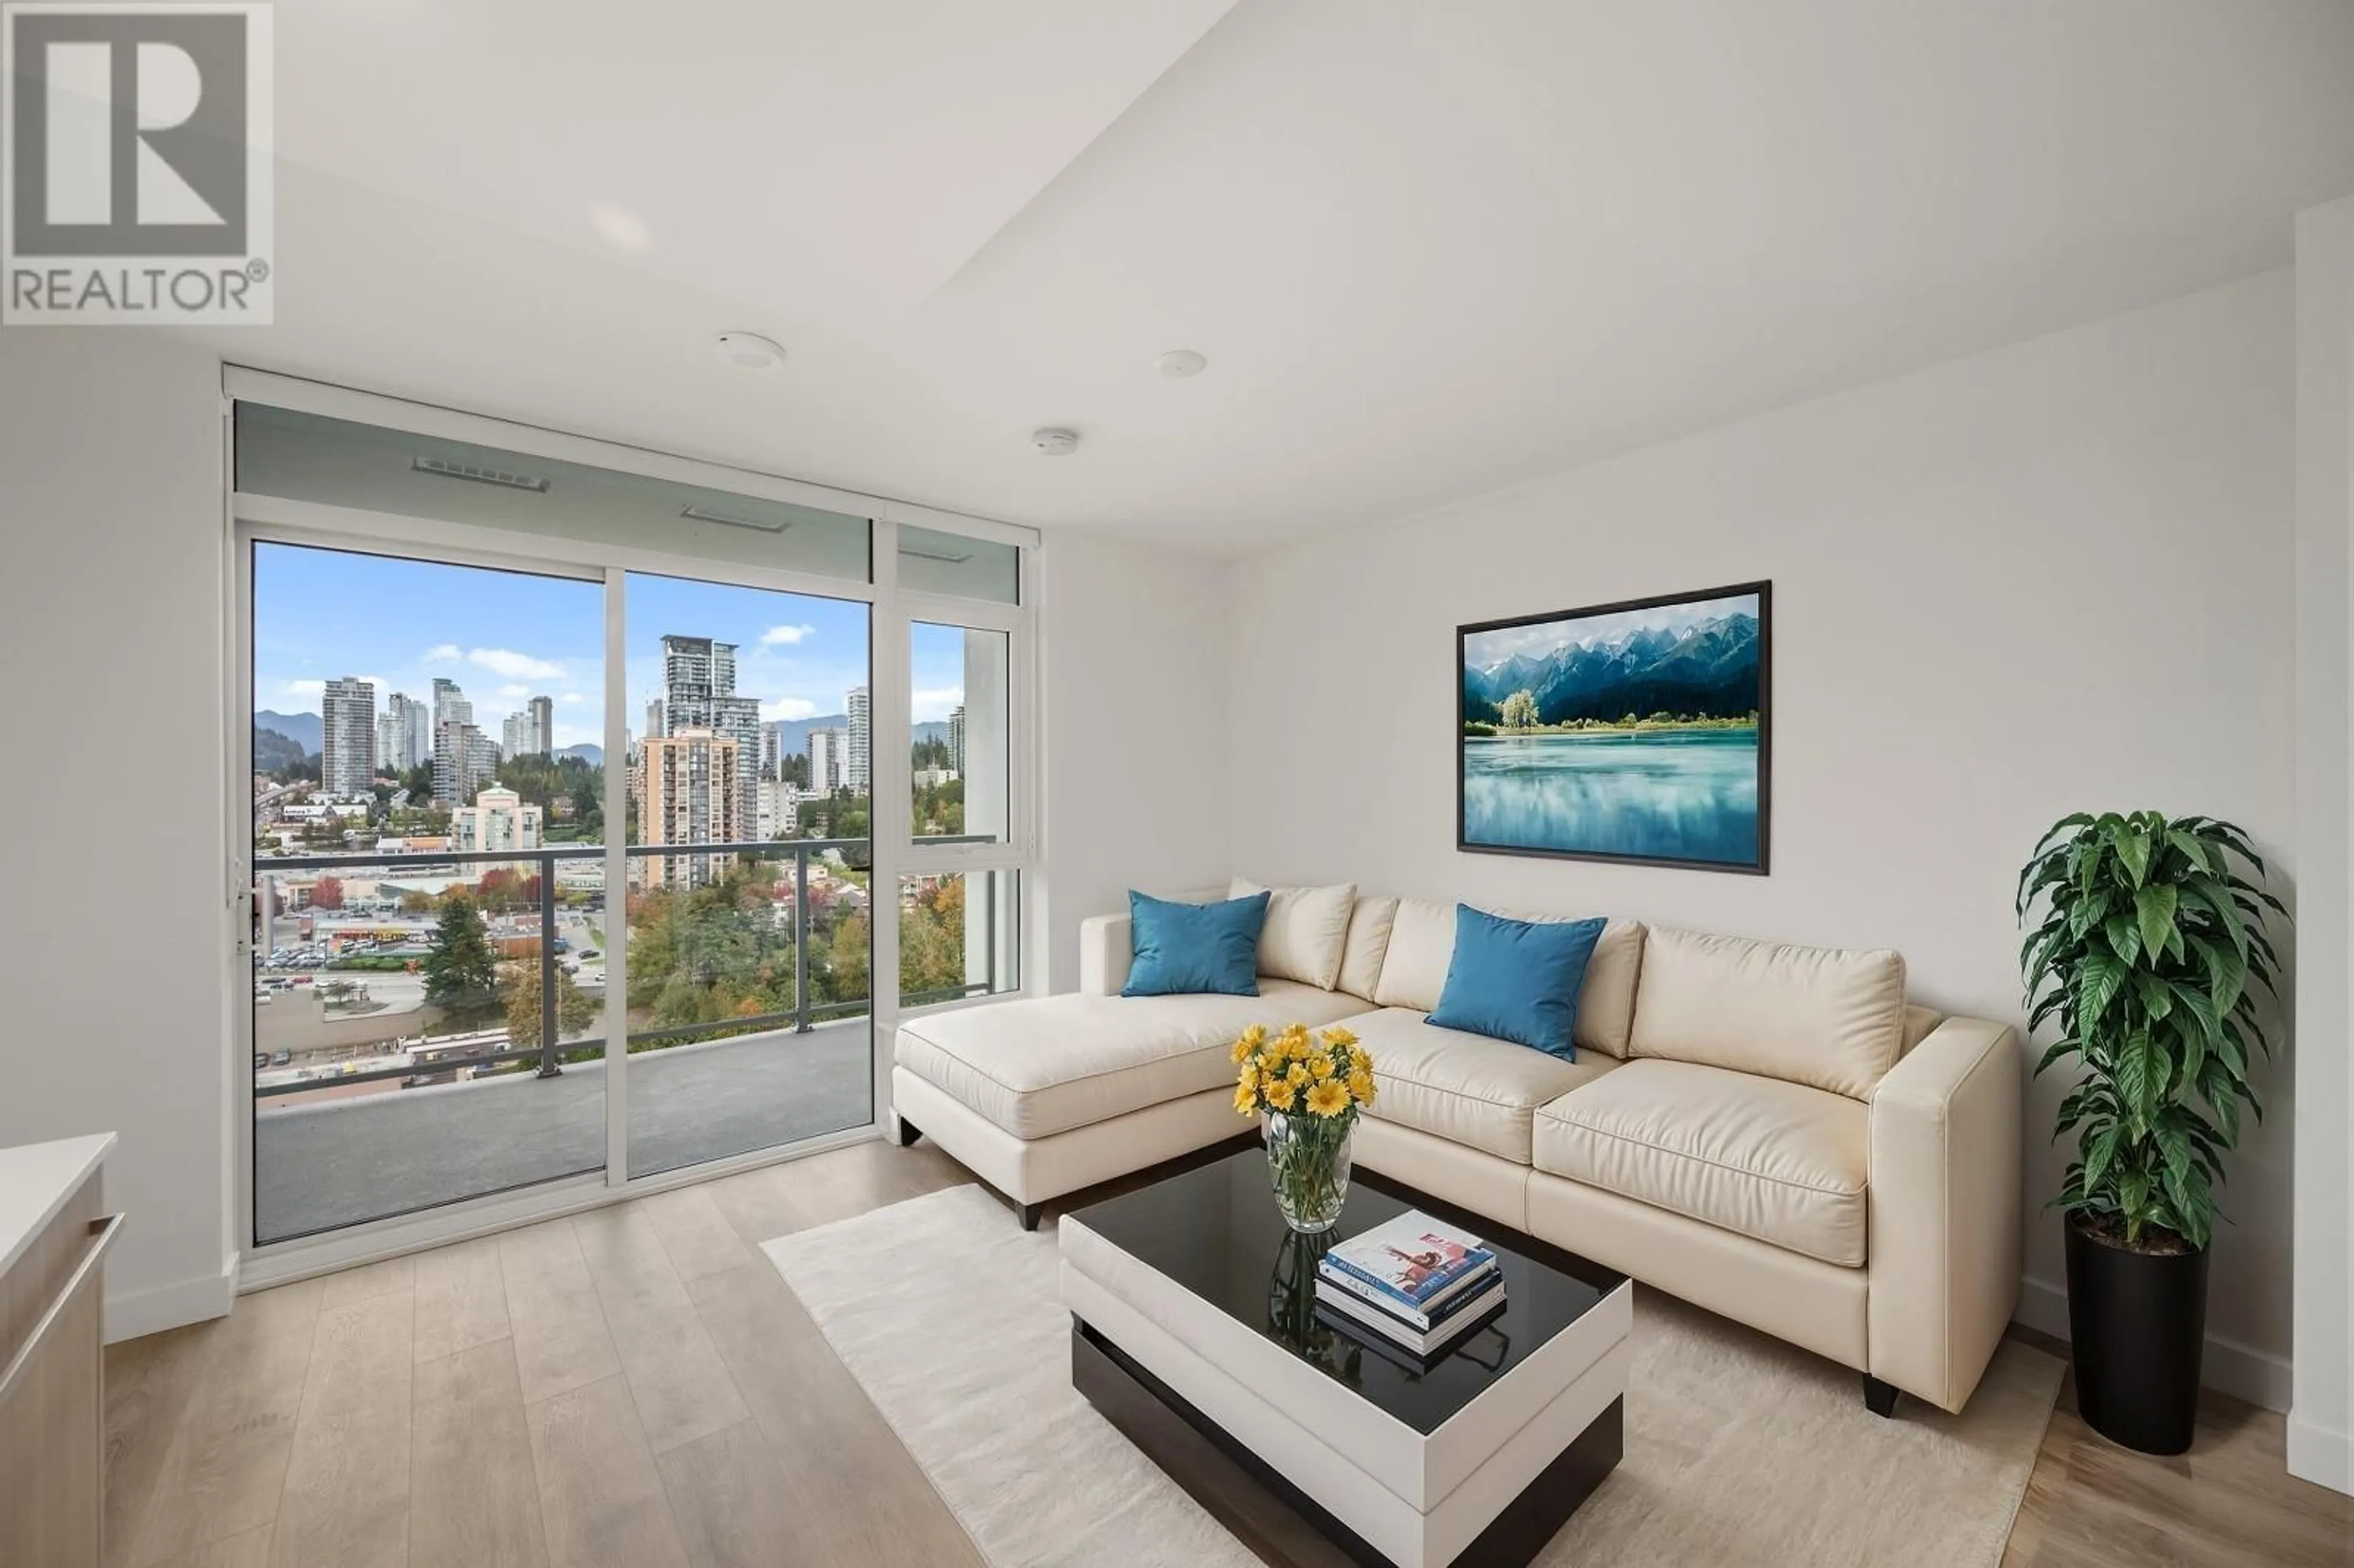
x,y
543,864
547,1056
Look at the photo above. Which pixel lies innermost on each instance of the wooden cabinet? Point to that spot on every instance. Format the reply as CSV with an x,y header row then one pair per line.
x,y
54,1234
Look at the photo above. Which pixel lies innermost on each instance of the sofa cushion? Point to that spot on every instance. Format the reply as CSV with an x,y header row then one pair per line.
x,y
1184,950
1306,933
1776,1161
1516,979
1046,1065
1422,943
1369,943
1469,1088
1831,1018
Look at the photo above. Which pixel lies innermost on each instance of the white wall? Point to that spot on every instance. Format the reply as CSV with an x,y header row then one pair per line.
x,y
113,942
1132,646
2050,578
2321,1416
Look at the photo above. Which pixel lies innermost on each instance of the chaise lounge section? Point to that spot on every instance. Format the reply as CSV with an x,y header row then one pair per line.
x,y
1767,1131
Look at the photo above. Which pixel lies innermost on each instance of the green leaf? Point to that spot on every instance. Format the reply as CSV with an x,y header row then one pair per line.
x,y
2098,1154
2195,850
2133,849
2136,1075
2227,972
2124,936
2098,984
2154,912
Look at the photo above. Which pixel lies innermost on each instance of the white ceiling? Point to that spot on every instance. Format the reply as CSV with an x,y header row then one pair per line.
x,y
1429,249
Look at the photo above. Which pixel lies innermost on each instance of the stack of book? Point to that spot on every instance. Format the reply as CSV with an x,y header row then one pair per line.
x,y
1418,1282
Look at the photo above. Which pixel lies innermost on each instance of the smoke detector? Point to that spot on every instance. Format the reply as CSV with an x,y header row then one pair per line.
x,y
748,351
1055,441
1180,363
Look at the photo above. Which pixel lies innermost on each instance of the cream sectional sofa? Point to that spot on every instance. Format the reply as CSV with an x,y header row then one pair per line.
x,y
1769,1131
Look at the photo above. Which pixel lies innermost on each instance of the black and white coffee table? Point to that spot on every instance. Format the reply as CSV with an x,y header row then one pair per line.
x,y
1196,1330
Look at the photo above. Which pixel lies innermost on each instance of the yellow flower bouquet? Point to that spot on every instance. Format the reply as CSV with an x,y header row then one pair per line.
x,y
1309,1085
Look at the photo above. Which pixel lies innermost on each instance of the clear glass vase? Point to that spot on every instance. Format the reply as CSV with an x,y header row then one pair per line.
x,y
1307,1160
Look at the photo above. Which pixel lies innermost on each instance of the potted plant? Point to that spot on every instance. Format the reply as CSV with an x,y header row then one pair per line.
x,y
2144,944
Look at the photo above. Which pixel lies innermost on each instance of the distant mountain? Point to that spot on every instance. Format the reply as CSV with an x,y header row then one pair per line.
x,y
793,734
592,755
304,729
273,751
1709,668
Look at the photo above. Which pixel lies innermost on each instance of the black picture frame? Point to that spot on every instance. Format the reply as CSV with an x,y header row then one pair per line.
x,y
1764,590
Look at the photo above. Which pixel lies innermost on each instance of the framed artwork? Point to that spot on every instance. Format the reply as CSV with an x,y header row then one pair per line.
x,y
1638,732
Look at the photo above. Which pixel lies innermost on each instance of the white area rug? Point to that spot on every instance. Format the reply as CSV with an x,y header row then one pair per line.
x,y
1740,1450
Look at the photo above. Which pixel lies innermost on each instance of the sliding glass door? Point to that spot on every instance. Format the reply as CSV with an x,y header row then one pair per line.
x,y
601,819
422,869
751,869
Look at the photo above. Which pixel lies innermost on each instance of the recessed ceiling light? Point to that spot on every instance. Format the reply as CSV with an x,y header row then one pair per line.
x,y
1055,441
621,229
748,351
1180,363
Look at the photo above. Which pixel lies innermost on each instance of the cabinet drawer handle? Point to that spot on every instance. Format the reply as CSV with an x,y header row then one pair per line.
x,y
102,1236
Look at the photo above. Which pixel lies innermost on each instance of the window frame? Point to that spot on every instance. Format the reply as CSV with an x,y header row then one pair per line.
x,y
248,519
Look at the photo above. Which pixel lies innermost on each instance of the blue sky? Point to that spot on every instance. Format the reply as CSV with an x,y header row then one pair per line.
x,y
506,637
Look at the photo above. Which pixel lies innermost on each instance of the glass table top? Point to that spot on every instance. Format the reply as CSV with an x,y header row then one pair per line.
x,y
1215,1230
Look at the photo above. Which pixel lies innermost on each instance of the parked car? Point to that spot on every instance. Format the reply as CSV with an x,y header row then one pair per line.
x,y
282,1058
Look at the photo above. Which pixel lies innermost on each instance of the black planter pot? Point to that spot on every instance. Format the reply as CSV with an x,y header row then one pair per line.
x,y
2137,1323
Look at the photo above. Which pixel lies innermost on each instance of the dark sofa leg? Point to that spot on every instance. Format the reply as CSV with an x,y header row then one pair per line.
x,y
909,1133
1879,1397
1029,1212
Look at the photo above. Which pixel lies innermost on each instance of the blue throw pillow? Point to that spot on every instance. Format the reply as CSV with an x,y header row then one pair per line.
x,y
1517,979
1191,947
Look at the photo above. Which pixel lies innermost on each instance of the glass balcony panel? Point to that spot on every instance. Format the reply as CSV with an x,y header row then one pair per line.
x,y
388,997
959,937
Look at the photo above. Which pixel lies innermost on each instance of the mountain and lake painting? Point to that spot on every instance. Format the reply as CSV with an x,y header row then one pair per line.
x,y
1634,732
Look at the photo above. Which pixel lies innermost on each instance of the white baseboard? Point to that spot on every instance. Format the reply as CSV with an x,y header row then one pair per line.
x,y
135,1313
2241,1370
2318,1454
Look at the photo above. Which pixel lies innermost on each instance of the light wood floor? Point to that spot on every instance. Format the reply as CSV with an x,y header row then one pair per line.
x,y
637,1387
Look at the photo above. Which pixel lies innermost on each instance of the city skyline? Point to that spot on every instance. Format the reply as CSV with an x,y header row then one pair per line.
x,y
504,638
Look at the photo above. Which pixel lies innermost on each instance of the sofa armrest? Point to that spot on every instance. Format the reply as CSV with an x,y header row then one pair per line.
x,y
1105,951
1944,1246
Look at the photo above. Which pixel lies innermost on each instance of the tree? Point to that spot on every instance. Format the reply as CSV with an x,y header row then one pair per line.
x,y
460,974
846,957
522,996
1519,710
327,893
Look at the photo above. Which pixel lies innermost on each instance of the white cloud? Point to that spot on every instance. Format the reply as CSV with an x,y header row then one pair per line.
x,y
572,697
789,708
514,666
786,636
312,691
443,654
517,692
933,707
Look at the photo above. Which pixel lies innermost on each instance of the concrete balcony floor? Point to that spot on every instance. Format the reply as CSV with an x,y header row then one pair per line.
x,y
335,1162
